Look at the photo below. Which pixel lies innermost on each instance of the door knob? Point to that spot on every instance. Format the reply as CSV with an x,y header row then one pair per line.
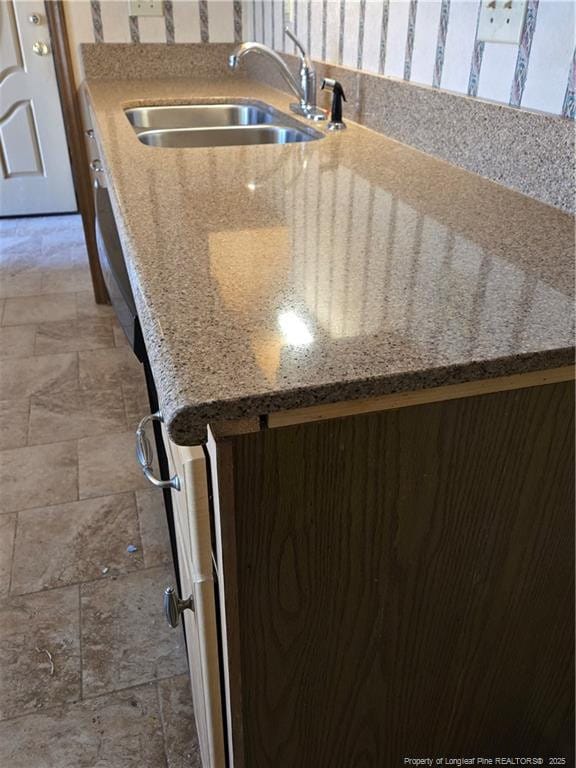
x,y
41,48
174,606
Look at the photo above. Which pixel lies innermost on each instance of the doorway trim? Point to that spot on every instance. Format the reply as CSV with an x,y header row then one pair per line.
x,y
75,136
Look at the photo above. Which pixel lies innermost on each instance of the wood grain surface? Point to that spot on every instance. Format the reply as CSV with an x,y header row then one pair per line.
x,y
405,583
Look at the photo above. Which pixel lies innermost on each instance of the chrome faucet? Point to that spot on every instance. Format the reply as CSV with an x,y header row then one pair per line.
x,y
305,88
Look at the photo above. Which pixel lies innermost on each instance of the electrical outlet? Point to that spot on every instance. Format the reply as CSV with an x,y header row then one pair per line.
x,y
146,8
501,21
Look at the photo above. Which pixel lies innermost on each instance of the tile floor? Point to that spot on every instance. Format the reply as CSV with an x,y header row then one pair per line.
x,y
90,674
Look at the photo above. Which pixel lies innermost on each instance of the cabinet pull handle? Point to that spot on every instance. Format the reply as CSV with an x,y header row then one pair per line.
x,y
174,606
145,456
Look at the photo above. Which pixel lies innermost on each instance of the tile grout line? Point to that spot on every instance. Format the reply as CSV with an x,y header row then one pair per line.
x,y
80,641
161,713
137,507
154,681
77,470
55,707
100,580
29,423
13,556
64,503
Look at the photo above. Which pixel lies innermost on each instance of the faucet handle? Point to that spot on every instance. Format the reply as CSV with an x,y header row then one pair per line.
x,y
299,46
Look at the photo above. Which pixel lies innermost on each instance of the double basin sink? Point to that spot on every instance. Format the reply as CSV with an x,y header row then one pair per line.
x,y
227,124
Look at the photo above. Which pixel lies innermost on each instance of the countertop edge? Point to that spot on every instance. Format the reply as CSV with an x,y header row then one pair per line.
x,y
188,426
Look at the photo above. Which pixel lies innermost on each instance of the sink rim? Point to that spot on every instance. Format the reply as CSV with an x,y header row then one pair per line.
x,y
306,134
269,114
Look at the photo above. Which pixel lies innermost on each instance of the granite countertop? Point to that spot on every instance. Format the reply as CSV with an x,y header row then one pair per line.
x,y
274,277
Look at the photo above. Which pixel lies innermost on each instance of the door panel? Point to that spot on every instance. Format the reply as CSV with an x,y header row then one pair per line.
x,y
20,145
35,174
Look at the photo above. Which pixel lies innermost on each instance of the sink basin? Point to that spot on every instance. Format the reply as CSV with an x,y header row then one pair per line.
x,y
200,115
216,125
228,136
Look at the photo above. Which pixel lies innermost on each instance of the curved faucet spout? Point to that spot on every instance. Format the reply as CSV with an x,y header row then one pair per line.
x,y
264,50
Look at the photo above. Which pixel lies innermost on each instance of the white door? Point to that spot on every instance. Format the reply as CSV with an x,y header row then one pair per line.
x,y
35,175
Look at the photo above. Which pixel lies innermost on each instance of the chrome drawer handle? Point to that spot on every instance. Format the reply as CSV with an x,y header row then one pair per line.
x,y
145,455
174,606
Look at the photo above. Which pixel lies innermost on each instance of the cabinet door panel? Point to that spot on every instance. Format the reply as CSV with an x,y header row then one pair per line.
x,y
192,526
405,583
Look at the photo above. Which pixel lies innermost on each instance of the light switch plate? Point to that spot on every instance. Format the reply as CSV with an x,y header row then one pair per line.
x,y
289,12
146,8
501,21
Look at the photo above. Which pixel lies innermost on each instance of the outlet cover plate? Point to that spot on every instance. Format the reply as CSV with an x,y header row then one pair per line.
x,y
146,8
501,21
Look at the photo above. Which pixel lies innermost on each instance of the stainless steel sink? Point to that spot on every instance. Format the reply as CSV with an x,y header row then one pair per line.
x,y
200,115
216,125
228,136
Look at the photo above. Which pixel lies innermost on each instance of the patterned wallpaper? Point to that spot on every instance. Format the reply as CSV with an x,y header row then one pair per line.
x,y
431,42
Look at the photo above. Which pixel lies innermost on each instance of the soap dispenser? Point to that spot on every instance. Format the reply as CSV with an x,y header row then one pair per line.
x,y
336,123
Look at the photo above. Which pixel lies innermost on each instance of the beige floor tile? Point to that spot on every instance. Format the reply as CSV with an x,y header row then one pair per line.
x,y
54,417
19,253
14,416
7,531
87,307
122,730
74,336
26,376
17,341
14,264
38,476
102,368
31,627
73,279
14,242
81,541
136,401
53,307
125,638
153,527
23,283
177,713
62,240
120,338
64,226
107,464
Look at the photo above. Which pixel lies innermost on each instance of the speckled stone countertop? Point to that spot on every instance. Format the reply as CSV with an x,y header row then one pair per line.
x,y
274,277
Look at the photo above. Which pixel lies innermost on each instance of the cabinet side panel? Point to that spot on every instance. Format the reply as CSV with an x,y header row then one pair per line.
x,y
405,583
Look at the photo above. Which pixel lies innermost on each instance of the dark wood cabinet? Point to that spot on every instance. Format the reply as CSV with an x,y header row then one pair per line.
x,y
400,583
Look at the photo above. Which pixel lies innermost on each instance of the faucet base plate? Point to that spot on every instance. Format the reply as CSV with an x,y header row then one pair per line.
x,y
310,113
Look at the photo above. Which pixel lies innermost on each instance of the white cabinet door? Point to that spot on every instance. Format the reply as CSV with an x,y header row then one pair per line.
x,y
192,525
35,174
